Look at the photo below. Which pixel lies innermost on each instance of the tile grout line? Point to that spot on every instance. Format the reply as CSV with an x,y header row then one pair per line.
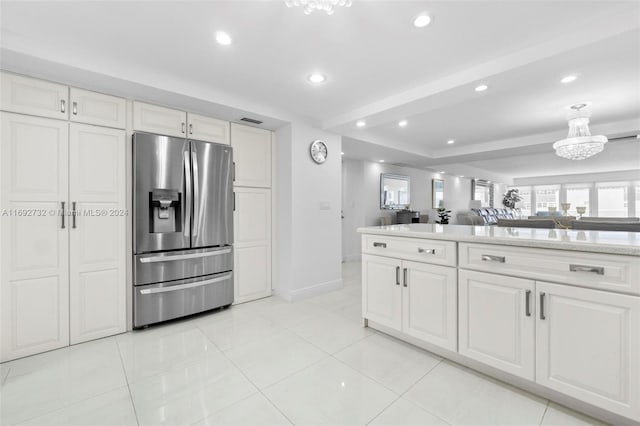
x,y
545,412
126,379
257,388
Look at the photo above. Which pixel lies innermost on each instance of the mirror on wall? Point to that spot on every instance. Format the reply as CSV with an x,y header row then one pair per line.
x,y
437,193
394,192
482,190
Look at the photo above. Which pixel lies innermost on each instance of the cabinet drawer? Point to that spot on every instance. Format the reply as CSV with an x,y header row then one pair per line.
x,y
601,271
416,249
208,129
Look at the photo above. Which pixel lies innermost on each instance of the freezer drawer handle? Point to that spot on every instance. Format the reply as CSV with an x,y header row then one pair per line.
x,y
185,286
586,268
426,251
490,258
157,259
383,245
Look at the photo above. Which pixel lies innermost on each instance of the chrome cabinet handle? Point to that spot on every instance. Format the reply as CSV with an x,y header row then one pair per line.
x,y
586,268
63,105
182,127
190,129
383,245
63,226
404,277
527,302
73,215
187,190
542,316
490,258
74,108
426,251
185,286
156,259
397,275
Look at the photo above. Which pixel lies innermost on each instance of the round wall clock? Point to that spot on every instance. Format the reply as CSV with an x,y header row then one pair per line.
x,y
318,150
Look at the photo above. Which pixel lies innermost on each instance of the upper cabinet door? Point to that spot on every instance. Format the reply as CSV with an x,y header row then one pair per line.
x,y
34,97
34,238
208,129
96,108
159,120
97,266
588,346
252,155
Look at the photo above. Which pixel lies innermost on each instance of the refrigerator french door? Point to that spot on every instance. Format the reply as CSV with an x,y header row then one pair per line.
x,y
183,227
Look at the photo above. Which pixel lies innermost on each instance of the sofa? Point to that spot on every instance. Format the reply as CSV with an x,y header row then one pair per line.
x,y
488,215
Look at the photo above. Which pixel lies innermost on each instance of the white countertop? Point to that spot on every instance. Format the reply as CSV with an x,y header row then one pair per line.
x,y
627,243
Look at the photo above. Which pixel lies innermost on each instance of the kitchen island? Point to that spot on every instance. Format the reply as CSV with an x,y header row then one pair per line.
x,y
556,312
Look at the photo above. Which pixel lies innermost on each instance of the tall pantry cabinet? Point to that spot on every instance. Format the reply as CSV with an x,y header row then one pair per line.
x,y
62,218
252,218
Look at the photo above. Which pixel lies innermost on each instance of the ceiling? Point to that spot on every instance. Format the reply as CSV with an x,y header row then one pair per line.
x,y
378,66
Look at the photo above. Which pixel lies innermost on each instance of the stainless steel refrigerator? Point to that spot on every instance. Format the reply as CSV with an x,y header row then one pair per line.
x,y
182,227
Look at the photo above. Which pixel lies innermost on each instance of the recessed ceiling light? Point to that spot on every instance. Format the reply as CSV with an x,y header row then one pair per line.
x,y
381,161
482,88
317,78
223,38
442,172
342,153
461,176
421,20
568,79
451,142
361,123
403,123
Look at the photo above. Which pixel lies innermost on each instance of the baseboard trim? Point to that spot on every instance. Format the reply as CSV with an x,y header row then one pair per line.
x,y
313,290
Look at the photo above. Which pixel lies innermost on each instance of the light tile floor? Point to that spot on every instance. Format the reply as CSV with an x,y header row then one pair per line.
x,y
267,362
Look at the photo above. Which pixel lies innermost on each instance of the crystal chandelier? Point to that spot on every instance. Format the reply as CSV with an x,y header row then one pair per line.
x,y
311,6
579,144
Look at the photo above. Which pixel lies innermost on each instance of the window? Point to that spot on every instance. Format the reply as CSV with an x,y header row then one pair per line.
x,y
578,197
547,197
483,191
612,200
525,202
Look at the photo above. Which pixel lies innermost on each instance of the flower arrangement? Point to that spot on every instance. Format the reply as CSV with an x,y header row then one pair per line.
x,y
444,216
510,198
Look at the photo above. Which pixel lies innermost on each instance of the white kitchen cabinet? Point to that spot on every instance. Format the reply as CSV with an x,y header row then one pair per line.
x,y
382,290
34,97
497,323
430,304
252,156
96,108
97,232
159,120
252,245
34,280
588,346
208,129
417,299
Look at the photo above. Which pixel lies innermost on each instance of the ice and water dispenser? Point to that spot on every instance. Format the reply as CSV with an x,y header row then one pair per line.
x,y
165,211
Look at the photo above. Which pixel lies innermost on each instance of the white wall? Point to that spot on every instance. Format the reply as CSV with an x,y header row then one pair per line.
x,y
308,201
361,198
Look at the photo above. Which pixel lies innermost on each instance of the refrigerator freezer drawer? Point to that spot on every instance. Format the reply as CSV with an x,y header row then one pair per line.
x,y
175,265
161,302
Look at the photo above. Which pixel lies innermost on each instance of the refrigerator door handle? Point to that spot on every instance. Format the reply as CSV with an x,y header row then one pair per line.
x,y
196,192
185,286
187,197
